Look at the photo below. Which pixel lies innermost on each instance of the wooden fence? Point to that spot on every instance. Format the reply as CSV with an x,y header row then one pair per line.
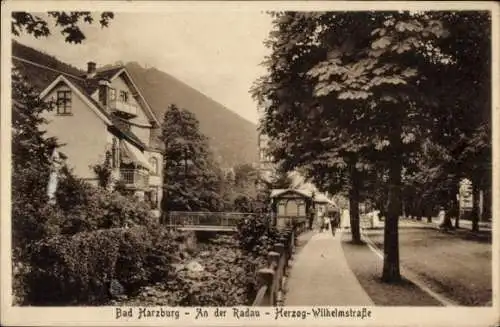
x,y
271,281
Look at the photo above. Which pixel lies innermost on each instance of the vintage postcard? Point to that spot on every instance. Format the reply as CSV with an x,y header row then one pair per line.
x,y
250,163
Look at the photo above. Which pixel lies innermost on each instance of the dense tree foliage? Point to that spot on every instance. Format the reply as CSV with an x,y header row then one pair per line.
x,y
192,181
356,99
69,23
31,163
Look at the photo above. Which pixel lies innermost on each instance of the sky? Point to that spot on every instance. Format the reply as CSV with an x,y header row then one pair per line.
x,y
218,53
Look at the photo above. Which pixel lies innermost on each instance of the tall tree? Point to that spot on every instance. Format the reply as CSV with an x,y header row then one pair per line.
x,y
381,66
365,75
192,181
31,162
281,180
305,134
31,148
469,97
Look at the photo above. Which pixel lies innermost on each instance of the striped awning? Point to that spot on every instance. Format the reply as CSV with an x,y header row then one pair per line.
x,y
131,154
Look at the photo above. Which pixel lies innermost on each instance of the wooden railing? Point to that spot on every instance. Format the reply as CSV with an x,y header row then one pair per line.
x,y
134,178
125,107
271,278
188,218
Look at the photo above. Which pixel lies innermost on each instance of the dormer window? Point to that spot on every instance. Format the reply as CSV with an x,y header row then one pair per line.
x,y
124,96
63,103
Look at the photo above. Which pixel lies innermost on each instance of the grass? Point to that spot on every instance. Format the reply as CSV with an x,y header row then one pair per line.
x,y
368,269
457,265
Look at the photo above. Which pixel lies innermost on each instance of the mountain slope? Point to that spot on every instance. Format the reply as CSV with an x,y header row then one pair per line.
x,y
233,139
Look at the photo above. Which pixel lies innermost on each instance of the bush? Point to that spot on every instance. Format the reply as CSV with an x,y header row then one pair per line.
x,y
32,222
256,236
77,269
256,239
164,250
90,208
73,270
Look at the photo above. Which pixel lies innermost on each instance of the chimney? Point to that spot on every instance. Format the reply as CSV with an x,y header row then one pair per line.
x,y
91,68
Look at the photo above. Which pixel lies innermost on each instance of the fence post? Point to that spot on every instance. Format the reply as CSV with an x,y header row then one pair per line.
x,y
266,278
273,259
289,244
280,248
284,240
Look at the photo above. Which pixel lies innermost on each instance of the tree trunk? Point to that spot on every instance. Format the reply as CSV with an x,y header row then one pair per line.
x,y
475,206
354,204
456,212
391,271
418,208
486,205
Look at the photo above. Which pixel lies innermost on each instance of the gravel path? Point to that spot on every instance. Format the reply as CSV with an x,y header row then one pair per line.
x,y
320,275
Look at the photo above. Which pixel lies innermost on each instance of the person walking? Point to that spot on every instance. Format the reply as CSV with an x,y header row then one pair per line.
x,y
326,222
311,219
320,222
334,222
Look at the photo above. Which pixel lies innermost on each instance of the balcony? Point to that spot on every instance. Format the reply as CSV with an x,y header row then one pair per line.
x,y
124,109
135,178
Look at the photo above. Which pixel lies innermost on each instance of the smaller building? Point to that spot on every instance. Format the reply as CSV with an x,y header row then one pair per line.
x,y
290,206
299,206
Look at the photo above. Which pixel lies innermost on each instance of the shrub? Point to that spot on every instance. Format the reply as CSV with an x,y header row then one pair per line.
x,y
90,208
256,236
164,250
77,269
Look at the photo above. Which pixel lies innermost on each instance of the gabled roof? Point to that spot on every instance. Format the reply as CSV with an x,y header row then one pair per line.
x,y
278,192
44,72
43,79
101,113
112,73
318,197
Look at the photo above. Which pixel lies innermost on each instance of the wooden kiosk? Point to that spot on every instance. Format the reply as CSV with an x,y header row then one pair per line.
x,y
291,206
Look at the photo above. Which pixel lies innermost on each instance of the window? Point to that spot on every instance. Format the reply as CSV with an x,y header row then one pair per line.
x,y
154,163
123,96
301,208
263,155
291,208
281,208
152,197
112,94
63,102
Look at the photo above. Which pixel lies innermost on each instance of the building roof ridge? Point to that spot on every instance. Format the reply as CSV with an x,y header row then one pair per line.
x,y
46,67
111,67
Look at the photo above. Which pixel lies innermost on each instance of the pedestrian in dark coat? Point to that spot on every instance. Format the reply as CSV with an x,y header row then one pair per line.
x,y
334,221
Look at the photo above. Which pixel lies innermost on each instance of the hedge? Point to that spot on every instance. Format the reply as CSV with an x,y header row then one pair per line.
x,y
78,269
